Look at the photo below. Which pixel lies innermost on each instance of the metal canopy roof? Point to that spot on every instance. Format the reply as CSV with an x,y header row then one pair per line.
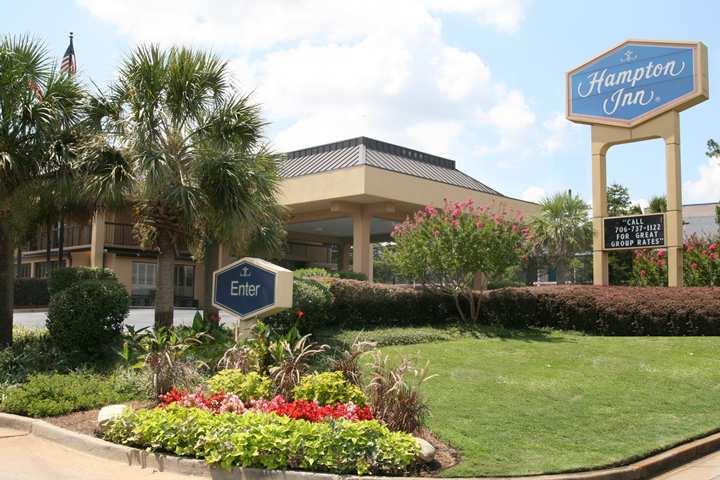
x,y
367,151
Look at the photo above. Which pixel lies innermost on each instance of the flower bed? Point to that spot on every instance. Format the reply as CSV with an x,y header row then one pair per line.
x,y
298,409
267,440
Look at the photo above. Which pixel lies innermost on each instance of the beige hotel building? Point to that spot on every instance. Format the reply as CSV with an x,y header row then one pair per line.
x,y
342,198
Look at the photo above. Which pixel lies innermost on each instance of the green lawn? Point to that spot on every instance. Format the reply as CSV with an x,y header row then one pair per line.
x,y
553,402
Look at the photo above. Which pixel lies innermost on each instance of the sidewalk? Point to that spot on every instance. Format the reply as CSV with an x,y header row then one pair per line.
x,y
26,457
706,468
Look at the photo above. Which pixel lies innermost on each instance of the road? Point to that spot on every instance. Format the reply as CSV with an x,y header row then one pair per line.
x,y
138,318
26,457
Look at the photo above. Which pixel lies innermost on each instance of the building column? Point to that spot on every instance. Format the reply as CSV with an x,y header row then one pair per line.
x,y
673,216
362,261
601,274
97,240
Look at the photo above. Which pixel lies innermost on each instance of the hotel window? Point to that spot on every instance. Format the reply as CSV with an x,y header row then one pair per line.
x,y
41,268
185,281
23,270
143,277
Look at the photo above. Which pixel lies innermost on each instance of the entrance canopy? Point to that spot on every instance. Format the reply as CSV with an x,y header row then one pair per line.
x,y
351,193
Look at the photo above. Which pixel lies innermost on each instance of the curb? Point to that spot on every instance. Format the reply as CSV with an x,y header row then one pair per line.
x,y
640,470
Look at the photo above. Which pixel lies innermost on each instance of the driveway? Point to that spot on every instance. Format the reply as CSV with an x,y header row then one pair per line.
x,y
138,318
26,457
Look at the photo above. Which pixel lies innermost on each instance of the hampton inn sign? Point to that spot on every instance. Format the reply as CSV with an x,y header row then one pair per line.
x,y
630,93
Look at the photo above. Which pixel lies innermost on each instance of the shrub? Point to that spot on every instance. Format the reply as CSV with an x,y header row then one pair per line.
x,y
359,304
31,352
384,337
62,278
447,248
701,264
328,388
394,393
264,440
49,395
85,319
246,386
607,310
350,275
311,304
311,272
31,292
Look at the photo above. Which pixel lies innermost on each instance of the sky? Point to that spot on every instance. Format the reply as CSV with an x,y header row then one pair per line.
x,y
479,81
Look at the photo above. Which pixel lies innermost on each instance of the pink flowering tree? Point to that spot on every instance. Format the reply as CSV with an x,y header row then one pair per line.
x,y
445,248
701,265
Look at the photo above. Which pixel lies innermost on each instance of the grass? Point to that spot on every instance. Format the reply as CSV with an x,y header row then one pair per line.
x,y
539,402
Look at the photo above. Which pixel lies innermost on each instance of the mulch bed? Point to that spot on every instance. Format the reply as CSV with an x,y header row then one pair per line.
x,y
445,455
85,422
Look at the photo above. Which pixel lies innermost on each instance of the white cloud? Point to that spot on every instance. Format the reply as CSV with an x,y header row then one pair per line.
x,y
643,202
533,194
326,70
558,132
706,188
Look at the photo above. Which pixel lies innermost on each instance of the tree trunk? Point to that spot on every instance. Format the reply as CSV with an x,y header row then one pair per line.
x,y
561,273
165,293
7,283
61,240
210,264
48,257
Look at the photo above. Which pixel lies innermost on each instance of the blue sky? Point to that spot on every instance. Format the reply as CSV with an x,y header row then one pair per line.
x,y
481,82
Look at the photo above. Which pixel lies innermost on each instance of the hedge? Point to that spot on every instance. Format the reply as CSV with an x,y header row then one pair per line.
x,y
608,310
589,309
31,292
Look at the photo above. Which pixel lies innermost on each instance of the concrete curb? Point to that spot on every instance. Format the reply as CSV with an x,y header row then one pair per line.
x,y
640,470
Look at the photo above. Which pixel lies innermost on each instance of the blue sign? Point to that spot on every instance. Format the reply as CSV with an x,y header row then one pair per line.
x,y
244,289
634,82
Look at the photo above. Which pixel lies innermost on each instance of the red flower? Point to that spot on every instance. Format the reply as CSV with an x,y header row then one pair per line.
x,y
300,314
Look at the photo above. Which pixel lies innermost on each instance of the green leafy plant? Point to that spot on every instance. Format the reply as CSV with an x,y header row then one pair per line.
x,y
394,393
291,357
311,304
347,362
266,440
162,354
247,386
329,388
85,319
63,278
48,395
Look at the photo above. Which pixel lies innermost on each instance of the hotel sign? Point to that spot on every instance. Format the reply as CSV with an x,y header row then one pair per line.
x,y
252,287
635,231
636,81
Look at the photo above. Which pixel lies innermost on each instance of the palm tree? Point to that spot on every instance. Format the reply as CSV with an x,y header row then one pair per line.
x,y
562,229
657,204
36,103
179,145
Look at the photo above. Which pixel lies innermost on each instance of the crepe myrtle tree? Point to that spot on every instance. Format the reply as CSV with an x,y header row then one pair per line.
x,y
445,248
180,147
37,104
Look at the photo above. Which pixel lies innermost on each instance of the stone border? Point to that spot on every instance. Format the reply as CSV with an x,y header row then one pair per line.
x,y
640,470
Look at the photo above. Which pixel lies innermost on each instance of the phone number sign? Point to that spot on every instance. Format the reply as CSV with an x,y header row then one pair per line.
x,y
635,231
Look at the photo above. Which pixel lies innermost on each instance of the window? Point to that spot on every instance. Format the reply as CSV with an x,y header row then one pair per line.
x,y
185,281
143,275
23,270
41,270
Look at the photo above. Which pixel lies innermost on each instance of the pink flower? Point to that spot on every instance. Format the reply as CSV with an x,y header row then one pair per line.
x,y
694,265
661,253
643,273
436,233
712,247
455,224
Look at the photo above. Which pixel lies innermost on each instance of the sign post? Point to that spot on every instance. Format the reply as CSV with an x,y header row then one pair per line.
x,y
630,93
252,288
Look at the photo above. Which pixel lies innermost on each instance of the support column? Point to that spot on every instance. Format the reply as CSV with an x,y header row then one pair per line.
x,y
673,217
361,243
97,240
599,205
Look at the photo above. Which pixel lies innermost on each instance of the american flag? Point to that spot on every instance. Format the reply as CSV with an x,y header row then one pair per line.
x,y
68,63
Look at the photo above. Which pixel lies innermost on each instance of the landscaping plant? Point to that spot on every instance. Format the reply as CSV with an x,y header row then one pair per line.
x,y
246,386
347,362
701,264
267,440
291,360
53,394
394,393
328,388
444,249
85,319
